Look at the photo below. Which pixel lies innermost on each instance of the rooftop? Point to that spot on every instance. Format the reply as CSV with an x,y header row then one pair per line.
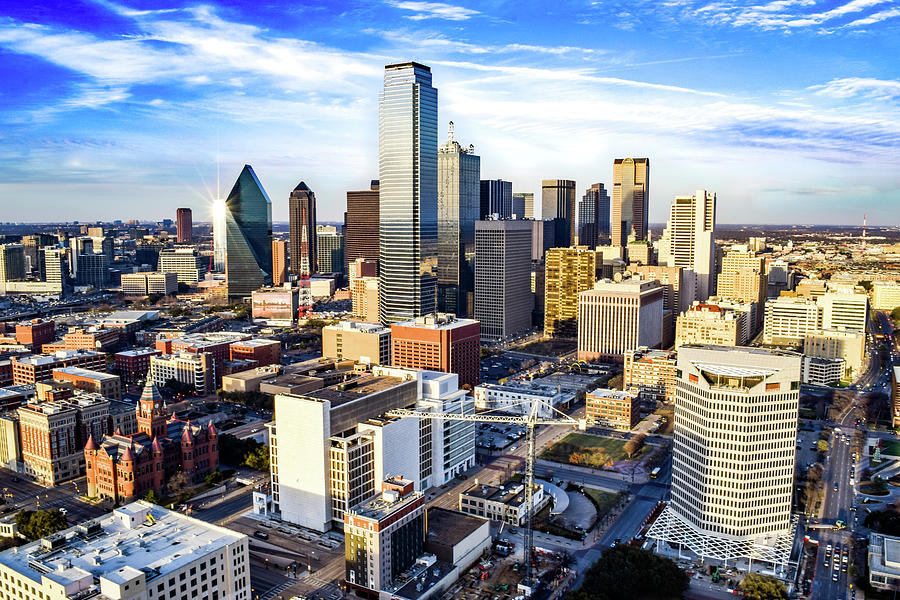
x,y
437,321
58,356
385,504
138,352
450,527
138,537
355,389
86,373
256,343
198,340
359,326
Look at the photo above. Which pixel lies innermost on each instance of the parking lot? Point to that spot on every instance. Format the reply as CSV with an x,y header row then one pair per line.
x,y
497,436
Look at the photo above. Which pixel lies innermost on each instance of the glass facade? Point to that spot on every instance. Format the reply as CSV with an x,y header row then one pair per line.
x,y
459,170
408,193
248,235
593,217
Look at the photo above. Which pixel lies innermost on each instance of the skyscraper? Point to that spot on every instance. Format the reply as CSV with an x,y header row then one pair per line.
x,y
558,203
503,299
184,224
302,214
330,248
361,224
496,199
733,453
568,272
523,201
459,171
593,217
279,262
630,201
689,240
248,235
407,137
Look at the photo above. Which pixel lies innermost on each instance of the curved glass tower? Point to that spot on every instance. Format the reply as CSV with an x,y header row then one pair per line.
x,y
407,138
248,235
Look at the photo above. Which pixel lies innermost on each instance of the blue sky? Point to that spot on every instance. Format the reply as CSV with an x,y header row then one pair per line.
x,y
788,109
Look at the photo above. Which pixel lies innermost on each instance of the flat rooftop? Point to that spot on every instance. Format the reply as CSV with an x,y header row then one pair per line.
x,y
381,506
256,343
510,493
138,352
119,545
355,389
86,373
209,339
437,321
60,355
450,527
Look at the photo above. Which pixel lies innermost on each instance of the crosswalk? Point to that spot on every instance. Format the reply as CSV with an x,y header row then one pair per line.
x,y
276,590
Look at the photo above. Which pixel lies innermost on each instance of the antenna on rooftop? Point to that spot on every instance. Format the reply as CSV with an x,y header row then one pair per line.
x,y
450,133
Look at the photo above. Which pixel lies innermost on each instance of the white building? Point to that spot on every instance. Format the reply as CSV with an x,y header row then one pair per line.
x,y
788,319
517,398
844,311
195,369
822,371
734,452
145,284
140,551
186,263
689,240
885,295
617,317
850,346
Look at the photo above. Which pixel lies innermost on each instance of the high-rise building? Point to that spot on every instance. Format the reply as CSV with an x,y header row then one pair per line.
x,y
707,324
364,289
330,249
689,240
186,263
616,317
407,193
184,225
459,170
743,278
302,214
279,261
630,200
734,454
788,319
503,299
145,284
361,224
194,369
526,201
12,262
844,310
567,273
593,217
496,199
248,235
438,342
558,203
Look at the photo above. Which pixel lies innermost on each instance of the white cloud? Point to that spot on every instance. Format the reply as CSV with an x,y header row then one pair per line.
x,y
434,10
860,86
875,18
788,14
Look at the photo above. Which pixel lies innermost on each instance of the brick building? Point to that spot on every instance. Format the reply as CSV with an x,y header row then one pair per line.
x,y
438,342
263,351
92,338
124,467
132,365
39,367
108,386
36,333
217,345
613,408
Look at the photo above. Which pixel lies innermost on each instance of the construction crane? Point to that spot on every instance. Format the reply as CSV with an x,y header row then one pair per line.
x,y
530,420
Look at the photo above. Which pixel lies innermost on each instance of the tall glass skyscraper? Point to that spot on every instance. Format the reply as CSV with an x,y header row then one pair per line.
x,y
593,217
248,235
407,163
630,200
302,215
459,170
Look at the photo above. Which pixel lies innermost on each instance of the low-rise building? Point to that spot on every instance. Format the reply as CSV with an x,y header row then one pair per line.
x,y
36,333
39,367
249,380
145,284
884,562
367,343
848,345
517,398
821,371
501,502
128,555
708,324
108,386
194,369
652,374
885,295
613,408
133,365
263,351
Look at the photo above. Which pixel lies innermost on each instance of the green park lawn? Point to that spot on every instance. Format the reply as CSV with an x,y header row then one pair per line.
x,y
588,450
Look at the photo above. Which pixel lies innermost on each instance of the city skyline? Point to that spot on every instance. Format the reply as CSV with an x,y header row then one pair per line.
x,y
112,95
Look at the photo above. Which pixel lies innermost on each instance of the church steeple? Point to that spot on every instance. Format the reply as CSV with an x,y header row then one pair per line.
x,y
151,412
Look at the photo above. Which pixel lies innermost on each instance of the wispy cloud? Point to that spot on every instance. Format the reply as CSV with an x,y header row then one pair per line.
x,y
434,10
849,87
790,14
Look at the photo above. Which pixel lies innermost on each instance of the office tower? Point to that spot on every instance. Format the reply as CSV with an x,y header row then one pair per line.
x,y
542,238
54,268
186,263
459,171
12,262
525,200
93,270
842,310
689,240
184,225
219,234
196,370
438,342
707,324
397,518
361,224
279,261
567,273
788,319
302,214
558,203
616,317
330,249
496,199
366,343
145,284
407,163
503,300
743,277
248,235
630,200
593,217
364,289
518,206
734,454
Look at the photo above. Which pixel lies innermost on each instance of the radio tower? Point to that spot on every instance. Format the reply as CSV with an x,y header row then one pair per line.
x,y
305,294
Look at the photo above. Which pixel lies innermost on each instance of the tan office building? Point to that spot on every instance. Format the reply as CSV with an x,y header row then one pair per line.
x,y
630,200
848,345
706,324
368,343
617,317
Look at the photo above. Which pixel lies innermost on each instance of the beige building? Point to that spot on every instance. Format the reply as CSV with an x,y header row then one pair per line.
x,y
630,200
567,273
743,278
364,297
708,324
689,240
810,288
105,384
788,319
617,317
613,408
368,343
249,380
844,310
10,442
145,284
197,370
673,281
651,373
848,345
885,295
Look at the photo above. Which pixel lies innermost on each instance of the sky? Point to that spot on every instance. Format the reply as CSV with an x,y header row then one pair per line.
x,y
787,109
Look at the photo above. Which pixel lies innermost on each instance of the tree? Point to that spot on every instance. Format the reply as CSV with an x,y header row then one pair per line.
x,y
179,387
214,477
40,523
633,445
884,521
822,446
895,314
626,573
762,587
177,482
153,497
258,459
